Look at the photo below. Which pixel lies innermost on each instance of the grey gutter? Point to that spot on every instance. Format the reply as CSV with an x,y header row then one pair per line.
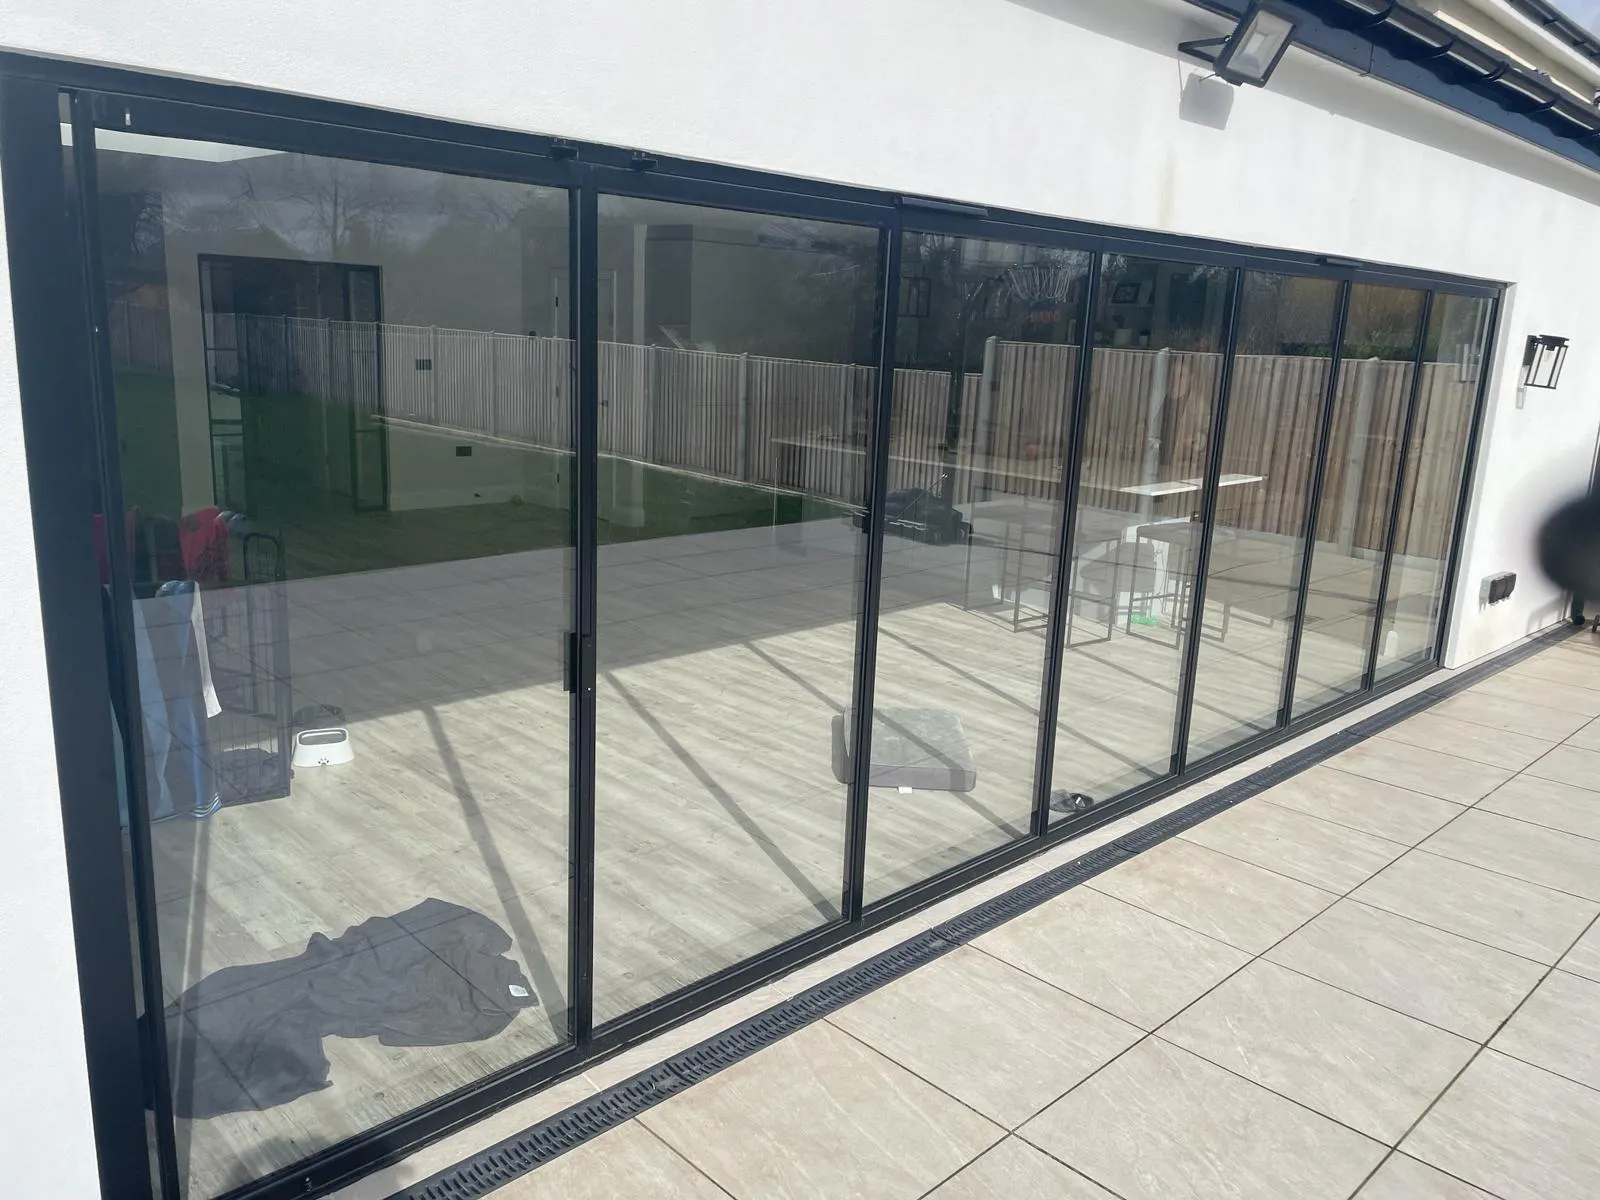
x,y
1556,23
1392,41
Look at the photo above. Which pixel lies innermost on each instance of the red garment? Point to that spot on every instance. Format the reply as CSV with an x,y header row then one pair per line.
x,y
102,552
203,535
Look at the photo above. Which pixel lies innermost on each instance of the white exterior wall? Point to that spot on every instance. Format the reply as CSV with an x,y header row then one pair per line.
x,y
1069,107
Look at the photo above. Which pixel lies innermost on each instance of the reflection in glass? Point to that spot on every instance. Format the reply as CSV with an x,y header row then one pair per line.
x,y
345,452
1378,364
1269,452
735,400
987,348
1452,365
1159,332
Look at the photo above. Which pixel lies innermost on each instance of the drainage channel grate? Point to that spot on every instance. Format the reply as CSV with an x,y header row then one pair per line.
x,y
517,1155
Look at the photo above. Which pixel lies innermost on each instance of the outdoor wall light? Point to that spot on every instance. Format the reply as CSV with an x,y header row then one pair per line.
x,y
1251,53
1542,360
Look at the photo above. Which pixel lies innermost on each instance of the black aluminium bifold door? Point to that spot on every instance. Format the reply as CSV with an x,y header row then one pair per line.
x,y
350,729
681,641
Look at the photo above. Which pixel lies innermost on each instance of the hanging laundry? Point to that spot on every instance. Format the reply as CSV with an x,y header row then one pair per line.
x,y
176,696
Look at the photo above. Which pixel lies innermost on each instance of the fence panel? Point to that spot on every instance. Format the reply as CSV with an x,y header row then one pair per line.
x,y
790,423
140,337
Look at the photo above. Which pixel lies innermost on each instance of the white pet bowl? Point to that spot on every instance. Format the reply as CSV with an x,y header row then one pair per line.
x,y
322,747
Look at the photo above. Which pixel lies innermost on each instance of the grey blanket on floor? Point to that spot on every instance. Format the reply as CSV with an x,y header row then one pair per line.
x,y
250,1037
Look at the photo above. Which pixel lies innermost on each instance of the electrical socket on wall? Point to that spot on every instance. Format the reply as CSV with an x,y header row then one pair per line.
x,y
1499,587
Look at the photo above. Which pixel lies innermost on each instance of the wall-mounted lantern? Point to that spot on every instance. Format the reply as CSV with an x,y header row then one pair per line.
x,y
1542,360
1251,53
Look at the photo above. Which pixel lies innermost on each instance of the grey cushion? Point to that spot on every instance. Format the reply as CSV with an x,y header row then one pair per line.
x,y
923,748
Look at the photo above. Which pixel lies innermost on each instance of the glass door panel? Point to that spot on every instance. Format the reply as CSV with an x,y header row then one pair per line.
x,y
1278,387
734,408
354,723
1376,372
1452,364
1159,337
987,344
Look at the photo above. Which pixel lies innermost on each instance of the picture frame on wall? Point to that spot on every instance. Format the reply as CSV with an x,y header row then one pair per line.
x,y
1126,292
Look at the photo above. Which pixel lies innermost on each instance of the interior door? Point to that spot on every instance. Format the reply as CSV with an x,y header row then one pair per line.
x,y
224,380
369,447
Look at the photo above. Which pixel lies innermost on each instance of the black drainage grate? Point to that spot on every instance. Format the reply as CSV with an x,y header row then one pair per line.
x,y
522,1152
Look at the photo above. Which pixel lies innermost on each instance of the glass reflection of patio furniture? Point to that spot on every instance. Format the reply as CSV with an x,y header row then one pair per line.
x,y
1177,561
924,514
1181,547
1116,575
1028,531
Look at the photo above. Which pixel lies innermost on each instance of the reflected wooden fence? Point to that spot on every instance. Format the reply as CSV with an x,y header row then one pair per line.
x,y
803,425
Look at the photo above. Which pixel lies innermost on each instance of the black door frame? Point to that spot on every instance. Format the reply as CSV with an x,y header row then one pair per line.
x,y
59,327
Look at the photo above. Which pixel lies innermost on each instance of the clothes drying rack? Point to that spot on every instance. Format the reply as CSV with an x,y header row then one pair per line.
x,y
247,634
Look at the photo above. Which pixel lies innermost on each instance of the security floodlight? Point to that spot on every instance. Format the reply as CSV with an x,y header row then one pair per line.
x,y
1251,53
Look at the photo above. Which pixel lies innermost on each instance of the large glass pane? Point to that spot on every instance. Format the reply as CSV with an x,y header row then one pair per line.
x,y
1269,453
1159,332
1453,362
1369,412
734,406
987,348
352,711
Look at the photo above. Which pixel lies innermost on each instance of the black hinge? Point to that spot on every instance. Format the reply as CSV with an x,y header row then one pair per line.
x,y
569,665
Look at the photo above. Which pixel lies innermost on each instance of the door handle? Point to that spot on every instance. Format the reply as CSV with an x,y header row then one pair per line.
x,y
578,663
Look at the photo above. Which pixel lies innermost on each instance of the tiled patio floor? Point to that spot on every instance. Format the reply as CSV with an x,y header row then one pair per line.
x,y
1380,979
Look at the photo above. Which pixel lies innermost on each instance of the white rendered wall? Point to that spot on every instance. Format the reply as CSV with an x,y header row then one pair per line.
x,y
1069,107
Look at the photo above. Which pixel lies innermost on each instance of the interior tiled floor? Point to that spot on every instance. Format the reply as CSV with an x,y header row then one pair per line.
x,y
1380,979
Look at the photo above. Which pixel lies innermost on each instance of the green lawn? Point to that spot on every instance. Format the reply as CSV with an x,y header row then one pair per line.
x,y
324,536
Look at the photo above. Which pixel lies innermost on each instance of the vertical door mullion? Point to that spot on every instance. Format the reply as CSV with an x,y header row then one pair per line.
x,y
860,731
1208,516
1060,591
582,316
125,681
1401,458
1314,504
